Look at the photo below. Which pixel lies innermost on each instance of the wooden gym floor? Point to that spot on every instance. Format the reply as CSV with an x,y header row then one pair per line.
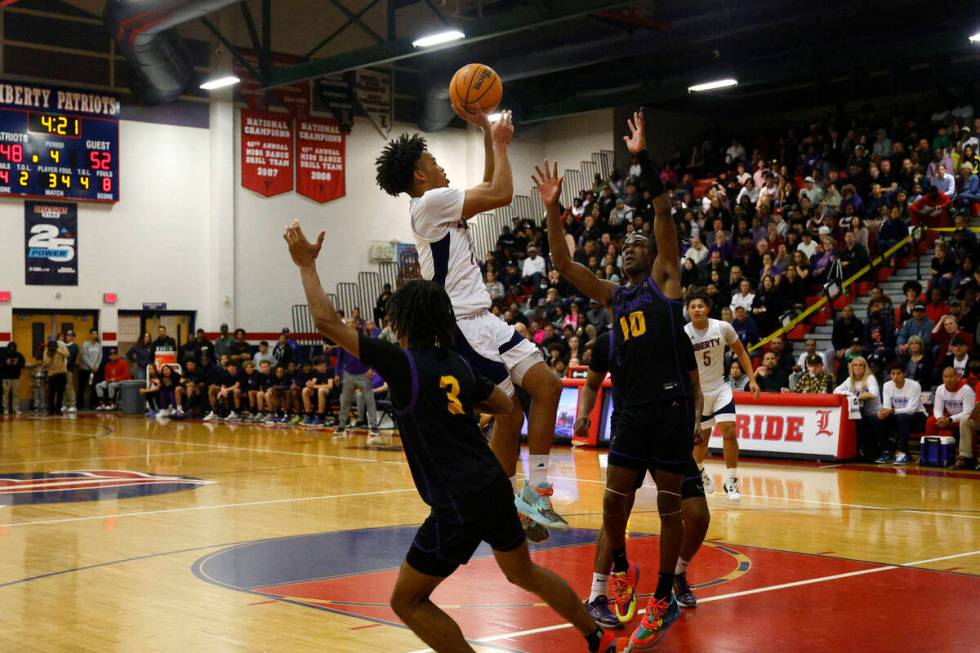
x,y
191,537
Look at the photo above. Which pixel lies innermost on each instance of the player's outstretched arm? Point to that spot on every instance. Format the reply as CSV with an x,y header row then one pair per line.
x,y
477,117
325,317
548,184
500,191
667,266
701,436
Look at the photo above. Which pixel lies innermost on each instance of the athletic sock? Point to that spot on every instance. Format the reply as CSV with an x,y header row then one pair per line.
x,y
620,563
600,585
665,585
538,465
731,472
513,483
594,640
701,467
681,567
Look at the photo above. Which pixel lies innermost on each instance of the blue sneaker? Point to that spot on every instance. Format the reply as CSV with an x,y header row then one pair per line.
x,y
661,613
902,459
535,502
683,593
308,421
884,458
599,609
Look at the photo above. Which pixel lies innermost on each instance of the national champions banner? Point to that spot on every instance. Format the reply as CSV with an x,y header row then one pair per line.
x,y
320,159
51,244
267,152
792,425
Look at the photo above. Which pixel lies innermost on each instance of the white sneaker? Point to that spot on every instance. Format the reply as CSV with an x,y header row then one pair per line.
x,y
179,412
731,488
210,417
707,482
72,409
232,416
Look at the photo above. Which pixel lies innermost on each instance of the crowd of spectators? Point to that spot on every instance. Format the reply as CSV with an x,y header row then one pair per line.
x,y
763,228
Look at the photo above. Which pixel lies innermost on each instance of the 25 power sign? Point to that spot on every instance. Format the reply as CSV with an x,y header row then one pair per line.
x,y
51,244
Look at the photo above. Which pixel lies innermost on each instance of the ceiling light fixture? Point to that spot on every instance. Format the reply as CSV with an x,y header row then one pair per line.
x,y
710,86
438,39
975,38
220,82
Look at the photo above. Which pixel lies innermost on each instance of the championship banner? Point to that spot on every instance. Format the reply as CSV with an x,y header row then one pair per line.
x,y
295,98
267,152
374,96
792,426
320,159
334,94
51,237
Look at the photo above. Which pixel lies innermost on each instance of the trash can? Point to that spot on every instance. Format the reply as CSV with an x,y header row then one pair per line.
x,y
131,402
39,388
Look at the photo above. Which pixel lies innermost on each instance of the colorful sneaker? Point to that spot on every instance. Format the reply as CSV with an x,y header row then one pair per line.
x,y
599,609
884,458
902,459
622,592
535,502
296,420
608,642
731,489
533,531
659,616
707,482
683,592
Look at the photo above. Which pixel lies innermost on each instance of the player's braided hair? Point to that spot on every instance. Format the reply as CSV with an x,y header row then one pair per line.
x,y
422,312
697,292
396,164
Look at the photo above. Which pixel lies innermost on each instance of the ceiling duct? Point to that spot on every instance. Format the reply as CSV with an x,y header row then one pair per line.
x,y
144,33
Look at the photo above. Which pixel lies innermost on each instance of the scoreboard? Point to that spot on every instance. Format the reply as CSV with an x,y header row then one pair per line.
x,y
58,143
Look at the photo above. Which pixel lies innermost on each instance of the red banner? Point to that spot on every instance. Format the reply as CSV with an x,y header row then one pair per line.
x,y
295,98
267,152
320,159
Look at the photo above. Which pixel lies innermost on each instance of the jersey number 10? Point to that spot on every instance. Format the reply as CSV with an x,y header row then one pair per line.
x,y
634,326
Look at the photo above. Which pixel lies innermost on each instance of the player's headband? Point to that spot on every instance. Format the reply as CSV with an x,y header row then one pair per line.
x,y
635,238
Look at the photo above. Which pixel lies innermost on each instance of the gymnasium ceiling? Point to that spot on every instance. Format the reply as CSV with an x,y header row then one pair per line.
x,y
559,57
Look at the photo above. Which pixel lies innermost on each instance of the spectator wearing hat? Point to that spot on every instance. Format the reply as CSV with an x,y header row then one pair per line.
x,y
958,357
919,325
811,191
116,371
55,361
11,364
534,267
816,380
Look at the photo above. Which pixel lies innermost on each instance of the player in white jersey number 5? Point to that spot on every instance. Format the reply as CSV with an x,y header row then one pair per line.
x,y
709,338
439,222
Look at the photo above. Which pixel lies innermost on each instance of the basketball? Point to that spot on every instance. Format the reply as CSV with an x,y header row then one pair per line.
x,y
476,84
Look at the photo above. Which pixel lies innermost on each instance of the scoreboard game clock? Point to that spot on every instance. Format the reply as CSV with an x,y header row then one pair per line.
x,y
58,143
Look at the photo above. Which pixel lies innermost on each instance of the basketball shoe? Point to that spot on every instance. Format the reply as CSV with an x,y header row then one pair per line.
x,y
622,592
535,502
660,614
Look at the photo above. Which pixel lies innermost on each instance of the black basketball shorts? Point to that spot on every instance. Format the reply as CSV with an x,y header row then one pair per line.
x,y
658,435
442,543
692,486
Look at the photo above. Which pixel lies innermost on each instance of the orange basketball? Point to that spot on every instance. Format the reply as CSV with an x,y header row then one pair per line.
x,y
476,84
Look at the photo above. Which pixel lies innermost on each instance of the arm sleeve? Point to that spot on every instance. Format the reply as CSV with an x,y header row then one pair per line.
x,y
391,362
435,210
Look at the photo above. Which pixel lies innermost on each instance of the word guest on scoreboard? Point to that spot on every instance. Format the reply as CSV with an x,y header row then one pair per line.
x,y
58,143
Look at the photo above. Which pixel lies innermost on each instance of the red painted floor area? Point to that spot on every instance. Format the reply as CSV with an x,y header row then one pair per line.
x,y
897,609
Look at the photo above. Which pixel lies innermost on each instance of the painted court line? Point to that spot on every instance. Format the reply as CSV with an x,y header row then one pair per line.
x,y
145,513
732,595
98,457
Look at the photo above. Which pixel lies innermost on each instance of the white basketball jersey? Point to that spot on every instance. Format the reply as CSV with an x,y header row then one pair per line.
x,y
446,253
709,350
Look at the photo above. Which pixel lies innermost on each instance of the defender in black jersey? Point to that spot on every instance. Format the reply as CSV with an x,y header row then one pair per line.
x,y
694,506
434,392
660,406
